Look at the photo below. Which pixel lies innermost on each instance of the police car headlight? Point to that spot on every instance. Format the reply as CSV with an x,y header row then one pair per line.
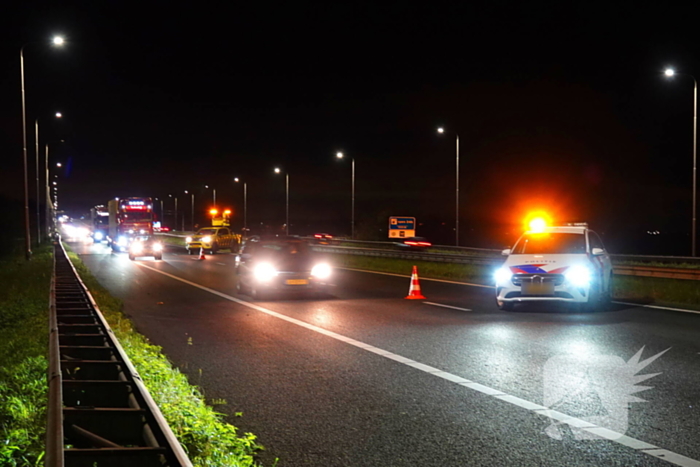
x,y
502,275
157,247
98,236
264,272
579,276
137,247
321,271
188,240
122,241
131,231
207,239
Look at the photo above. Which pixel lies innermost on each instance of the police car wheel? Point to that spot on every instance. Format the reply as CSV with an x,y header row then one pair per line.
x,y
505,306
595,300
158,257
132,257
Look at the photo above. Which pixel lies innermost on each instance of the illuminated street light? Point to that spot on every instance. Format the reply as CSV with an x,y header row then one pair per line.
x,y
214,194
186,192
441,130
27,236
175,221
277,171
340,155
245,206
670,72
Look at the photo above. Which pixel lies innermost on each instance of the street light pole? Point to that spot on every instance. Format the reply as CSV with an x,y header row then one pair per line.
x,y
442,130
340,155
49,203
245,206
38,202
670,72
27,236
192,209
277,170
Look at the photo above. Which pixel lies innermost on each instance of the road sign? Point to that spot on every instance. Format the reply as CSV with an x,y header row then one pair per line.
x,y
402,227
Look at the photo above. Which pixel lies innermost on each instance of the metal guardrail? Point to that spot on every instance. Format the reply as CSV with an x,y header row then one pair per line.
x,y
99,413
618,269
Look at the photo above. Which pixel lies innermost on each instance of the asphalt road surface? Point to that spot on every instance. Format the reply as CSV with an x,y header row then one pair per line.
x,y
363,377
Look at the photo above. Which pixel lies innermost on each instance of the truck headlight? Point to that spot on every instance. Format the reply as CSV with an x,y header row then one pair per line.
x,y
502,275
157,247
579,276
321,271
206,239
264,272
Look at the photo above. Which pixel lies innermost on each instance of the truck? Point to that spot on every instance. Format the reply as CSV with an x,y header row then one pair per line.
x,y
99,217
128,218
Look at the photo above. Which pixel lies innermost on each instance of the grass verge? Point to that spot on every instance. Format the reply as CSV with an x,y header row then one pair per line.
x,y
207,438
24,329
645,290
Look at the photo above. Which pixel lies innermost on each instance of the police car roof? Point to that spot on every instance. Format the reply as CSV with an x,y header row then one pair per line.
x,y
562,229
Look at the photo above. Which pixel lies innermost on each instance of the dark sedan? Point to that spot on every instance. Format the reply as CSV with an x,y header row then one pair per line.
x,y
279,266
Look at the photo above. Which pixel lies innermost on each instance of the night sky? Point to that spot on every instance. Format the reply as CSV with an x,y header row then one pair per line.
x,y
558,106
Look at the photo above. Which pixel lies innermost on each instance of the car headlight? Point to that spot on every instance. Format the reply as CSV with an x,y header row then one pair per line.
x,y
579,276
502,275
188,240
264,272
321,271
142,231
121,241
157,247
98,236
207,239
137,247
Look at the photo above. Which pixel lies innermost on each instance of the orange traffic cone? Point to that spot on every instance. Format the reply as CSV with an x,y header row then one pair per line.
x,y
201,253
414,290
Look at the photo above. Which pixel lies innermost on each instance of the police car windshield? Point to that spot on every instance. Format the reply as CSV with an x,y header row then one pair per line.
x,y
207,232
550,243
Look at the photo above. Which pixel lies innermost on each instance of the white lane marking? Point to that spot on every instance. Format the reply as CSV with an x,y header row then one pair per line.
x,y
222,264
447,306
682,310
604,433
657,307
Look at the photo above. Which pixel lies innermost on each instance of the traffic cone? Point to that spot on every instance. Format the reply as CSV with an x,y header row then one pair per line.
x,y
201,253
414,290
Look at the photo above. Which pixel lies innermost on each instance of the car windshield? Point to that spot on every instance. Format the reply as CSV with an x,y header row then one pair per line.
x,y
550,243
282,248
207,232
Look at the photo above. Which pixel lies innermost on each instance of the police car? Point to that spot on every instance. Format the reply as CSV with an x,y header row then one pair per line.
x,y
556,264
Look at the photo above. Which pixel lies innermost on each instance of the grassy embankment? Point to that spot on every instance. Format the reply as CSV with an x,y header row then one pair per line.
x,y
24,299
647,290
24,330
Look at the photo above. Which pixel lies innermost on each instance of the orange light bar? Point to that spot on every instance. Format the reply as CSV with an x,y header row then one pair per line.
x,y
213,212
227,212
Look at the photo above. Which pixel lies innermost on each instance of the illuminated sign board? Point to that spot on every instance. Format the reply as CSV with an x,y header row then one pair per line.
x,y
402,227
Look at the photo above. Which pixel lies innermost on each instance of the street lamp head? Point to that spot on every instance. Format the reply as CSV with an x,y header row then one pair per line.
x,y
277,170
669,72
236,179
59,115
58,164
339,155
441,130
58,40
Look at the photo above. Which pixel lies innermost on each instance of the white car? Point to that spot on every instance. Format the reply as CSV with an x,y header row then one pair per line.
x,y
556,264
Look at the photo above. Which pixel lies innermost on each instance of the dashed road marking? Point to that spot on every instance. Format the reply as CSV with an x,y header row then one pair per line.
x,y
447,306
604,433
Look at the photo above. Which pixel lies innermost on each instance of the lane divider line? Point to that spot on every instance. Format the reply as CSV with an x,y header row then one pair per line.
x,y
447,306
656,307
620,438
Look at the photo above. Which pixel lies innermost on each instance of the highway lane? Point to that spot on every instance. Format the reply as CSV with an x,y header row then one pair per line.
x,y
316,399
